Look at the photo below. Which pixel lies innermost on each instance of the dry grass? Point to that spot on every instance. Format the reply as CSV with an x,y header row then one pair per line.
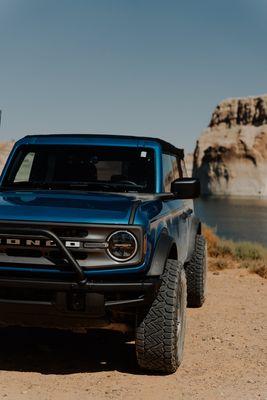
x,y
229,254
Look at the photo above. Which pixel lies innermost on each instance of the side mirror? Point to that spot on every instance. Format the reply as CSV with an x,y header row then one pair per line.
x,y
186,188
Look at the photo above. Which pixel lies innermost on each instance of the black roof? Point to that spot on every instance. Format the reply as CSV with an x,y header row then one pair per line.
x,y
166,146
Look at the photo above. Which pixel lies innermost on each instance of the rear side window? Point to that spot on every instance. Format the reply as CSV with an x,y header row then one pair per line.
x,y
171,171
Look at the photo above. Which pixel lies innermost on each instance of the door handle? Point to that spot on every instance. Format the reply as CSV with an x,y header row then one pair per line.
x,y
187,213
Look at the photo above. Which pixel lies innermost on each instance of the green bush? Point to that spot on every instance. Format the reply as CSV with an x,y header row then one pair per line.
x,y
250,251
252,256
258,267
226,248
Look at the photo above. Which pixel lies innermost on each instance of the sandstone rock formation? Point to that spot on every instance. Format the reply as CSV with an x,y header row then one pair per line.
x,y
5,148
189,163
230,157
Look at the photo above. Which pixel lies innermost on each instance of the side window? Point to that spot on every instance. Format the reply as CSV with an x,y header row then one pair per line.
x,y
167,172
24,172
172,170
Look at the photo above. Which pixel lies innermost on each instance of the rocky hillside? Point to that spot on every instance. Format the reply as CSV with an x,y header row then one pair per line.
x,y
189,163
5,148
231,154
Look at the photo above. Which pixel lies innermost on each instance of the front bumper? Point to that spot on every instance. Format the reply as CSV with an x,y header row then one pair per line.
x,y
72,305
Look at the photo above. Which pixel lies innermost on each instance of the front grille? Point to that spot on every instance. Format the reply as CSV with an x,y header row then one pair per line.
x,y
23,253
71,232
24,250
54,254
78,255
86,244
18,294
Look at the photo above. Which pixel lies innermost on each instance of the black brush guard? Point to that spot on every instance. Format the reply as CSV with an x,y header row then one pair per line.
x,y
45,233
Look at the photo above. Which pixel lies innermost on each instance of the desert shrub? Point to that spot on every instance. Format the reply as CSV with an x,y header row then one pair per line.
x,y
212,240
210,234
226,248
217,247
227,253
258,267
220,263
250,251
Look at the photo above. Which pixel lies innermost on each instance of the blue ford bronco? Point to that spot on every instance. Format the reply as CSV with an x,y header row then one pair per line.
x,y
99,232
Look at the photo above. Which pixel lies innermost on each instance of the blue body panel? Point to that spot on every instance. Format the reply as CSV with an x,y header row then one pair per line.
x,y
65,206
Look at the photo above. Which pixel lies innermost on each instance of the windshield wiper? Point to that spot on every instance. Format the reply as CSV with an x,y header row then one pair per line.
x,y
24,186
103,185
106,186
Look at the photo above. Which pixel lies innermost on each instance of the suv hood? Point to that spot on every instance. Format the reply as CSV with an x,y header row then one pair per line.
x,y
66,206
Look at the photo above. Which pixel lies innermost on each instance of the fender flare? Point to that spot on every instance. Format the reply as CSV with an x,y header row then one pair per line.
x,y
161,253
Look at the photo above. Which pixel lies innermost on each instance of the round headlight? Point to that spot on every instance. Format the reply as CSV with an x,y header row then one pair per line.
x,y
122,246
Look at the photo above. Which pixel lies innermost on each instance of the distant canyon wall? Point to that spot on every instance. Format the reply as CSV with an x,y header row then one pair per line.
x,y
5,148
189,163
230,157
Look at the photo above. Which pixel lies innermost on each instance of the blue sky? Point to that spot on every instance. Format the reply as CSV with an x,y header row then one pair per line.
x,y
144,67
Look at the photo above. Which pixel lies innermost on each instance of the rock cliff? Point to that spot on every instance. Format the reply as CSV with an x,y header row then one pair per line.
x,y
230,157
5,148
189,163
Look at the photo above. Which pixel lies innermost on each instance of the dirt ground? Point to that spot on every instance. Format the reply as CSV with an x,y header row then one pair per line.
x,y
225,355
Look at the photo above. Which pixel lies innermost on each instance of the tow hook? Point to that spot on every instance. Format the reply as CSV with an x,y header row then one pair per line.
x,y
77,302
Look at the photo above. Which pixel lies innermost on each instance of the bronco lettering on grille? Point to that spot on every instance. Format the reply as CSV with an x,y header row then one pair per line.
x,y
36,243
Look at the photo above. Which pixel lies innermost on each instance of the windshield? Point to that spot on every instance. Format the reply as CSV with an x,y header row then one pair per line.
x,y
92,168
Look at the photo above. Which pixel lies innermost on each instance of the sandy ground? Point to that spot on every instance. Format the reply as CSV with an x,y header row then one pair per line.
x,y
225,355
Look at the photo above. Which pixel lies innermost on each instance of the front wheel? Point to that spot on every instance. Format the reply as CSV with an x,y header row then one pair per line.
x,y
160,330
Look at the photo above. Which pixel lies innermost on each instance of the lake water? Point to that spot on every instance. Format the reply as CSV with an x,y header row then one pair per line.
x,y
235,218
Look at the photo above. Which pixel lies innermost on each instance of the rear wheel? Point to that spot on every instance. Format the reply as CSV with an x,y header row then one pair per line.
x,y
161,329
196,274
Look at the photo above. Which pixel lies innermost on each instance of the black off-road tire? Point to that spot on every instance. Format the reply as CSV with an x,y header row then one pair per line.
x,y
196,274
161,329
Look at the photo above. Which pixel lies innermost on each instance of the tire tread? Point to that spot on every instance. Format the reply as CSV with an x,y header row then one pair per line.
x,y
156,344
196,274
